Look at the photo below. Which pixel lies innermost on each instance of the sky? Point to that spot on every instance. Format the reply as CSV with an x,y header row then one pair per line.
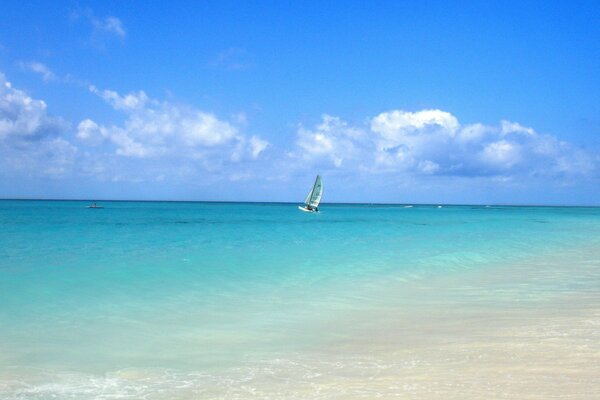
x,y
470,102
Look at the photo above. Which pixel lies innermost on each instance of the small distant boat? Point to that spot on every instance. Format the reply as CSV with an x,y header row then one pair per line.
x,y
94,205
439,206
311,203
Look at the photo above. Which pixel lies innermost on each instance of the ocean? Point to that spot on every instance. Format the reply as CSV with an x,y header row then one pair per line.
x,y
193,300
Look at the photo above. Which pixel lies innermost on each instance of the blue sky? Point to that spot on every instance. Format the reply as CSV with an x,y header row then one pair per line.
x,y
436,102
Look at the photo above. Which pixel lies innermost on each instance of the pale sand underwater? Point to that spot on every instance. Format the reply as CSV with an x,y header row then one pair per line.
x,y
524,327
474,336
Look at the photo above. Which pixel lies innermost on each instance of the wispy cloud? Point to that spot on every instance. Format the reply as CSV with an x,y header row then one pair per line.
x,y
40,69
48,75
233,59
102,28
110,25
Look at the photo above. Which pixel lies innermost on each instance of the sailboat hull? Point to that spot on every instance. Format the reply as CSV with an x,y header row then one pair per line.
x,y
306,210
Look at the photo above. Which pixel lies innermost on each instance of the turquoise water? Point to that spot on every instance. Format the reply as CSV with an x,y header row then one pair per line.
x,y
206,287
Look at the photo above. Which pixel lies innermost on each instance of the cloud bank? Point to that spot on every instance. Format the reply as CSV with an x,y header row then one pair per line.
x,y
434,142
155,140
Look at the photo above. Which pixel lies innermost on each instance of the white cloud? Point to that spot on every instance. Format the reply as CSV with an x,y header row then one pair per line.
x,y
257,146
398,126
23,117
333,140
88,130
156,139
130,101
502,153
508,127
204,129
433,142
158,128
405,139
473,132
31,141
428,167
164,141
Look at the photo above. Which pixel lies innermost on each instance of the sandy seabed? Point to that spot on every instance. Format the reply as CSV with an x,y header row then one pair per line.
x,y
525,331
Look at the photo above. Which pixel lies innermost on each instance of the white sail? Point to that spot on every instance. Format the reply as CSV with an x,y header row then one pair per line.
x,y
314,196
308,196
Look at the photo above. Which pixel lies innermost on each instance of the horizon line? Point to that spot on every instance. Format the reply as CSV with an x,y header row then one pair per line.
x,y
300,202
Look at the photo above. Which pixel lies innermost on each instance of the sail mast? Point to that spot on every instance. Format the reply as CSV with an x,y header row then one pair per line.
x,y
310,195
317,192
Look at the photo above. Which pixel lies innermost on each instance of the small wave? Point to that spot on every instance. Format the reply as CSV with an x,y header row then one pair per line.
x,y
275,378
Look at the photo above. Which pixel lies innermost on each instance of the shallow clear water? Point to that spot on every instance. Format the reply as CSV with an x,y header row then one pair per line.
x,y
222,300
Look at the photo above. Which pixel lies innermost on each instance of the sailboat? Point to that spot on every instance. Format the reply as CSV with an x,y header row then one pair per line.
x,y
311,203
